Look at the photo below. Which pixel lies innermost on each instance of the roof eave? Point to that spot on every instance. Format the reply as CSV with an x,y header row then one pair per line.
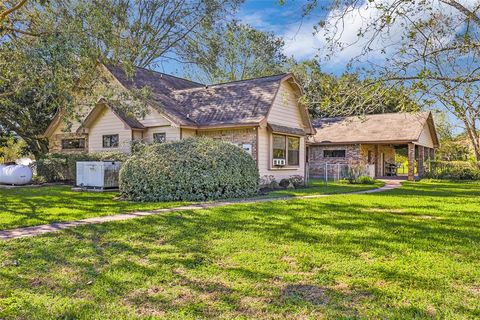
x,y
362,142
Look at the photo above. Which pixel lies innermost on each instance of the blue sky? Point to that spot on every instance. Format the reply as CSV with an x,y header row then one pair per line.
x,y
285,21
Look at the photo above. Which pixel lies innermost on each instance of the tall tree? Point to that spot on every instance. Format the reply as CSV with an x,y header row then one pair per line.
x,y
49,55
233,51
327,95
430,46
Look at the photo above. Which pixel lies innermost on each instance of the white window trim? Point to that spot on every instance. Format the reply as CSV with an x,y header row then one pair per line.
x,y
287,166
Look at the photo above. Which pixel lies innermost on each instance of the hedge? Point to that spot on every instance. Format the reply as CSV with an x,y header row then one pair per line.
x,y
58,167
193,169
453,170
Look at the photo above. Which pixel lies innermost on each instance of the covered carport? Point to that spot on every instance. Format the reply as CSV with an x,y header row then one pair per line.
x,y
371,140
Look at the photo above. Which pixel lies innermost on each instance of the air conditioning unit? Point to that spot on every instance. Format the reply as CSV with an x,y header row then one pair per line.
x,y
98,174
279,162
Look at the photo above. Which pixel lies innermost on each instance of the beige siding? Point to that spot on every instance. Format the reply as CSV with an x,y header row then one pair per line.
x,y
171,133
285,110
265,161
137,135
425,138
108,123
154,119
188,133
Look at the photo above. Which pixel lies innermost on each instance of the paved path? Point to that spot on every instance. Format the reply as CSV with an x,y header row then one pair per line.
x,y
46,228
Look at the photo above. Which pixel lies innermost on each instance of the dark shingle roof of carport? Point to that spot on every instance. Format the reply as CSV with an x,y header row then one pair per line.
x,y
388,127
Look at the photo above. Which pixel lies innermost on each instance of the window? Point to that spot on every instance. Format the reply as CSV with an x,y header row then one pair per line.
x,y
73,143
279,147
287,148
110,141
334,153
293,151
159,137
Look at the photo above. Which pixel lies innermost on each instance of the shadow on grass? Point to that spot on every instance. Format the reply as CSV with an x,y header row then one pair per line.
x,y
282,258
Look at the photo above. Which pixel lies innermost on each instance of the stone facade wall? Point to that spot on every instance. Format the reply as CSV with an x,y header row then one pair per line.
x,y
235,136
316,161
55,142
355,155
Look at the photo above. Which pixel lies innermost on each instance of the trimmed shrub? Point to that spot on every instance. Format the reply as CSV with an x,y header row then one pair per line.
x,y
269,182
297,181
284,183
365,180
59,167
193,169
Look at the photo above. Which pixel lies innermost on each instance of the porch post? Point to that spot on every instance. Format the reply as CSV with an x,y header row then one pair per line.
x,y
377,161
411,162
421,161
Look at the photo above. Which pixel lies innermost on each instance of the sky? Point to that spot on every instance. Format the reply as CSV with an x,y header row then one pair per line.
x,y
285,21
301,42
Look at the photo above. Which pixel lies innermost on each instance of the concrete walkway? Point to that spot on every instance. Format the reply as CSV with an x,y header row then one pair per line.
x,y
46,228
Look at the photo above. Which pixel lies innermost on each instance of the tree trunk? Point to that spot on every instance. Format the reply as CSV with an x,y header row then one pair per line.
x,y
474,139
37,147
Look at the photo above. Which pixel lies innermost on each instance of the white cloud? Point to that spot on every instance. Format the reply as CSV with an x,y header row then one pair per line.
x,y
302,42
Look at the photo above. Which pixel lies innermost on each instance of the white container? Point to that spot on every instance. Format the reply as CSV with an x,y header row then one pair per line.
x,y
98,174
15,174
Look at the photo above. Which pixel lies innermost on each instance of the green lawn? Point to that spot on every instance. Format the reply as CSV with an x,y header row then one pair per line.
x,y
410,253
33,206
317,186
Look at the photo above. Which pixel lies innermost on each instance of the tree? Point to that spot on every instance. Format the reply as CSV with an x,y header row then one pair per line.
x,y
347,95
233,51
9,8
50,55
11,148
432,47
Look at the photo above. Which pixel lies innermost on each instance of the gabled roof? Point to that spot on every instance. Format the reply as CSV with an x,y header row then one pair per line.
x,y
129,120
161,85
191,104
236,102
376,128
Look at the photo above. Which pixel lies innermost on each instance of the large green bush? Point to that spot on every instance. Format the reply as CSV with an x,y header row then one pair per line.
x,y
193,169
56,167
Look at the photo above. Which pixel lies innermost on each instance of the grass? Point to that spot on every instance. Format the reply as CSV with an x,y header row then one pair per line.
x,y
409,253
317,186
22,207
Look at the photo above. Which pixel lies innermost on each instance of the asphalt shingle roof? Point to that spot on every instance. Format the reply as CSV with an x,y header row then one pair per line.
x,y
191,103
387,127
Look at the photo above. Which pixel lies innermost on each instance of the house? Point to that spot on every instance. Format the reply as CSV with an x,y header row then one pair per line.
x,y
372,141
263,116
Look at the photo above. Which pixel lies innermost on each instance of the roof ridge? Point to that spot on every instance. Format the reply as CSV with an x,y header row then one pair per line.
x,y
232,82
170,75
249,79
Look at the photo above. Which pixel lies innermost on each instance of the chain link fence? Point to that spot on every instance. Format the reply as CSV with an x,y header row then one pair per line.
x,y
336,171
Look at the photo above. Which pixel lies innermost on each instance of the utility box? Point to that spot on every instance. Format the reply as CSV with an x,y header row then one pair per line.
x,y
98,174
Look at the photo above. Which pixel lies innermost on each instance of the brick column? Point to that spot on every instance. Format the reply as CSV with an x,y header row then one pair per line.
x,y
421,161
411,162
